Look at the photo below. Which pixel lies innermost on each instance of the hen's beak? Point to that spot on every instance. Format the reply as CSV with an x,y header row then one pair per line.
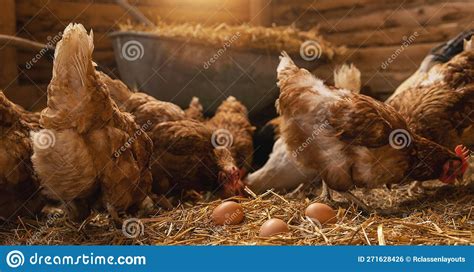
x,y
231,182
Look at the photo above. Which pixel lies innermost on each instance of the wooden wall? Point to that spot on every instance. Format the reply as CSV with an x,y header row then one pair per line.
x,y
372,29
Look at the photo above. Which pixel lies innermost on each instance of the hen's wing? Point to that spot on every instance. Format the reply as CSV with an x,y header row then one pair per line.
x,y
19,188
359,120
154,112
182,137
463,109
119,92
459,71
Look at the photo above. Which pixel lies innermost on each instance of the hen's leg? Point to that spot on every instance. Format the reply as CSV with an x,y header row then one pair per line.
x,y
146,207
114,215
325,195
162,201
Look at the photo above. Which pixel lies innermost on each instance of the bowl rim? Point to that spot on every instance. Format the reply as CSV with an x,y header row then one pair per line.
x,y
143,34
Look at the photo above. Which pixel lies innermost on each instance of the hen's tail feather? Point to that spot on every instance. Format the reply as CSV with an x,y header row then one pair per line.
x,y
286,68
195,110
76,96
73,55
347,77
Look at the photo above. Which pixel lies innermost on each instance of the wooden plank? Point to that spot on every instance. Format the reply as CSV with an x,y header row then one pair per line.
x,y
282,6
306,14
8,69
368,14
401,58
396,35
105,17
424,15
363,7
208,4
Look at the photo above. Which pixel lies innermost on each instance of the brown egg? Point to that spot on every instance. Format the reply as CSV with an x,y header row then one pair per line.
x,y
228,213
321,212
272,227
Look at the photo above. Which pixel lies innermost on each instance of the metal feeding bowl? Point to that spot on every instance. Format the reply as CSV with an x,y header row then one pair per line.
x,y
176,70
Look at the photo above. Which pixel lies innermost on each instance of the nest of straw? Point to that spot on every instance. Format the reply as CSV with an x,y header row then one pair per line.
x,y
441,216
245,37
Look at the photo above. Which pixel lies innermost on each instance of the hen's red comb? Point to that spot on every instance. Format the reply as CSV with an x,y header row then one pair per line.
x,y
463,153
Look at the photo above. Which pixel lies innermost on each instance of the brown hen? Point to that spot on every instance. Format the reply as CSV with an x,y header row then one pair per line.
x,y
19,188
231,128
148,111
156,119
441,106
97,155
353,140
281,171
188,159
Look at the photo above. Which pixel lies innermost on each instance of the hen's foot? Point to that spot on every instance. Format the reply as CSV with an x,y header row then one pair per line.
x,y
146,207
416,188
325,195
53,211
163,202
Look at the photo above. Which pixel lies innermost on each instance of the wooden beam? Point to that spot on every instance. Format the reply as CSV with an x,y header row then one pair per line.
x,y
260,12
8,67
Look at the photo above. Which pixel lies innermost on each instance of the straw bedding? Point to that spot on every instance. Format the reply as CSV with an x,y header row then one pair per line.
x,y
245,37
443,215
